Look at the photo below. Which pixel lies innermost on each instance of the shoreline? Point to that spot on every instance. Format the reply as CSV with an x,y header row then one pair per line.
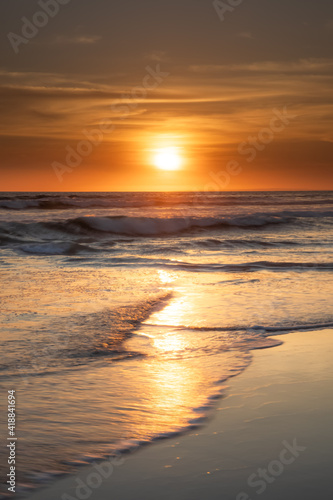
x,y
281,404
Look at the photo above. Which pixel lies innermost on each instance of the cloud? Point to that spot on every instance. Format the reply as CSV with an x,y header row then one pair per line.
x,y
301,66
216,103
245,34
156,56
83,39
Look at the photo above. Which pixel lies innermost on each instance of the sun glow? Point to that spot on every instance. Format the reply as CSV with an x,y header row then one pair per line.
x,y
167,159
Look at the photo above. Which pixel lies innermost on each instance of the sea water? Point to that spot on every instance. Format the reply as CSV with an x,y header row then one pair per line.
x,y
123,315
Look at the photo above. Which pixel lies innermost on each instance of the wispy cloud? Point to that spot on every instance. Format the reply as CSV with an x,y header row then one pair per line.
x,y
301,66
82,39
222,104
156,56
245,34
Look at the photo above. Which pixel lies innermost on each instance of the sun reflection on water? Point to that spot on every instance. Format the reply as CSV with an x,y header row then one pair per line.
x,y
175,313
165,276
170,342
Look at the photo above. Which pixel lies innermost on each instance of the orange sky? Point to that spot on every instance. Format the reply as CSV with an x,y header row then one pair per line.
x,y
268,112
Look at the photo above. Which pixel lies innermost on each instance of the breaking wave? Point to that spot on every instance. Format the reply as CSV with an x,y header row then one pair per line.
x,y
152,226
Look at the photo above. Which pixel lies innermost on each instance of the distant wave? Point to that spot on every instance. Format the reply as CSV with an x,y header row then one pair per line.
x,y
56,248
226,268
90,234
72,201
213,243
153,226
210,244
255,266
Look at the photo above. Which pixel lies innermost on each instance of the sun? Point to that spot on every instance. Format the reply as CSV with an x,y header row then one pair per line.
x,y
167,159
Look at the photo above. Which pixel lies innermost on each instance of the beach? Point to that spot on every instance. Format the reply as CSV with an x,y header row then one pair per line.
x,y
283,401
125,316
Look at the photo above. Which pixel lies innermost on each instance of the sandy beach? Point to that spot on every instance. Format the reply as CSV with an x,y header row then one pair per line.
x,y
269,436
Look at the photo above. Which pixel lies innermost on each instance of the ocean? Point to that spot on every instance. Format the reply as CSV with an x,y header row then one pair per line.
x,y
123,315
